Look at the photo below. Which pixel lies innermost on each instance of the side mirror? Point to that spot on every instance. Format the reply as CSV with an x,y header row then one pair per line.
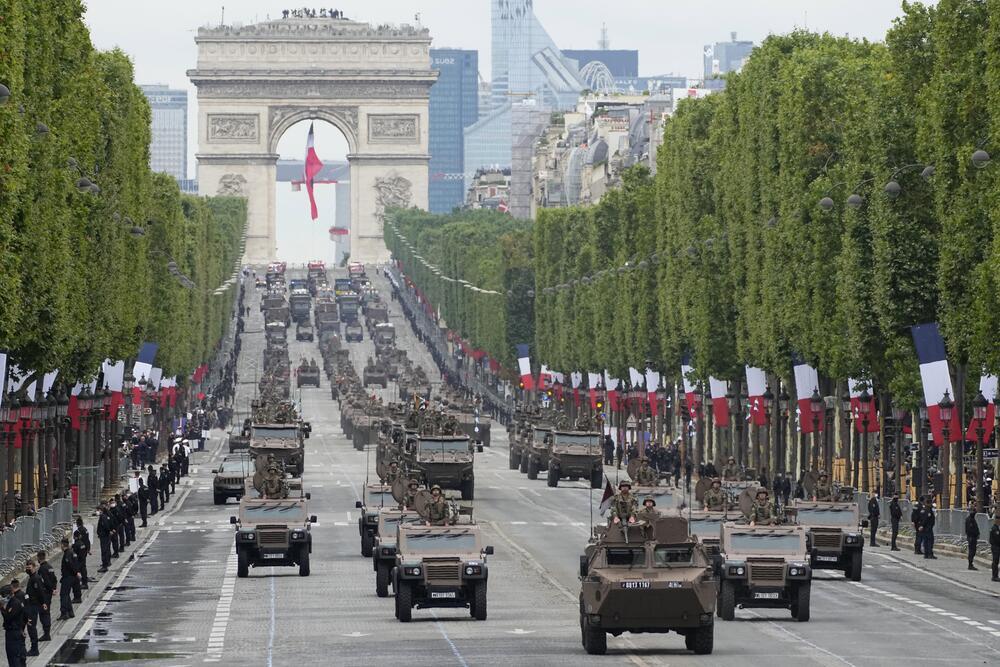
x,y
308,496
583,566
232,520
357,504
215,471
488,551
312,519
864,523
479,448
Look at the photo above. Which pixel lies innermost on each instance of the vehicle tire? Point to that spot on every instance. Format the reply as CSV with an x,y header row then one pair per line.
x,y
218,500
596,477
595,640
382,580
532,470
367,542
479,596
524,463
702,640
553,477
404,602
727,601
468,489
512,461
242,565
304,561
801,604
854,571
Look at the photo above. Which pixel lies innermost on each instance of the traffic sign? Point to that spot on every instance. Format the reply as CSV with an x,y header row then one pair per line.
x,y
991,453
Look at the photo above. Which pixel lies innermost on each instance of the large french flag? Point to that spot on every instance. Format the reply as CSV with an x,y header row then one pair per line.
x,y
988,387
756,386
720,405
611,386
524,366
593,385
652,384
936,379
312,168
689,388
806,381
855,387
114,376
576,379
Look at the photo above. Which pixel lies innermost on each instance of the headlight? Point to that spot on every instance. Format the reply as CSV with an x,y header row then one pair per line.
x,y
794,571
737,570
853,539
246,535
386,551
297,534
473,569
413,571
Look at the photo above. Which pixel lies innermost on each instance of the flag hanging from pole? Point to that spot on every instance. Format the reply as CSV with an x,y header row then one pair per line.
x,y
936,380
313,167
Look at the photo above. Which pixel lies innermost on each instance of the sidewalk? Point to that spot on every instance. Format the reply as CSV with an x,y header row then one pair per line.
x,y
950,564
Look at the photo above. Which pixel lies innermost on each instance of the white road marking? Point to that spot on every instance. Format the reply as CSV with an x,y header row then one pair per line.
x,y
217,638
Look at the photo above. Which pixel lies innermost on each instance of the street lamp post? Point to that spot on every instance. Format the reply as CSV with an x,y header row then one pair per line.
x,y
768,407
946,407
12,417
784,401
898,415
28,412
816,406
62,430
924,467
845,440
865,408
979,405
733,402
48,440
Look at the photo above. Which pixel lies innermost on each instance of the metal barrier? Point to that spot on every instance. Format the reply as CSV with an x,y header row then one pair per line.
x,y
946,522
29,534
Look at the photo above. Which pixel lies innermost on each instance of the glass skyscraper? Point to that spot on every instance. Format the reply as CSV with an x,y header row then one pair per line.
x,y
168,150
454,105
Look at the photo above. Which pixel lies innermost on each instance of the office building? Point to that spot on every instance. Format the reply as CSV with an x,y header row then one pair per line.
x,y
622,63
168,150
454,105
724,57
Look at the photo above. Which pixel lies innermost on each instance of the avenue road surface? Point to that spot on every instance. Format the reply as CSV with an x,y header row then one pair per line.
x,y
180,603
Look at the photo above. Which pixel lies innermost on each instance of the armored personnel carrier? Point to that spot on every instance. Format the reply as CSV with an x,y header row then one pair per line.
x,y
835,538
377,497
576,454
440,566
647,577
273,532
537,455
307,374
764,566
285,442
374,374
384,545
445,460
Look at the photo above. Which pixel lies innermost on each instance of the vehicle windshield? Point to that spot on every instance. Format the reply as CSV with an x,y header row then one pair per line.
x,y
706,527
285,512
766,543
380,498
667,556
439,446
626,556
575,440
286,432
440,542
827,516
237,466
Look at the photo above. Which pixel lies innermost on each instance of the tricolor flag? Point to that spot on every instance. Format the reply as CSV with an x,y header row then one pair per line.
x,y
756,386
609,495
855,387
611,386
576,379
936,379
988,387
143,367
557,385
806,382
652,384
689,388
73,410
114,377
312,168
544,378
593,383
720,405
524,365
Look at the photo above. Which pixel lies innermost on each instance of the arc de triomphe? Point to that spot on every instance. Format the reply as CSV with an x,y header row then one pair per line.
x,y
256,81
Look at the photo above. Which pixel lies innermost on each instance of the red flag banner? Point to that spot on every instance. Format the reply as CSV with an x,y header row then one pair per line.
x,y
312,168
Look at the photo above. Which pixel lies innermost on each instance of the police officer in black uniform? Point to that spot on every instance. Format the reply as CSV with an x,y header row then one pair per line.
x,y
153,483
104,529
14,622
895,514
80,551
143,498
36,596
48,576
69,572
85,538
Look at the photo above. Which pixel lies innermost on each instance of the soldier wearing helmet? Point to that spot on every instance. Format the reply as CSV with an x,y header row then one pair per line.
x,y
823,491
437,508
715,498
623,506
761,512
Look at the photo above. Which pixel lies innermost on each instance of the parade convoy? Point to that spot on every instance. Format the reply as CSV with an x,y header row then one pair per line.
x,y
670,568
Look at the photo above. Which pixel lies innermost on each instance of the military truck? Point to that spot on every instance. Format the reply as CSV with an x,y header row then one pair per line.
x,y
537,453
834,536
300,303
239,440
377,497
275,334
384,545
384,336
374,374
707,528
285,442
304,331
764,566
353,332
440,566
647,577
229,479
576,454
445,460
348,305
273,532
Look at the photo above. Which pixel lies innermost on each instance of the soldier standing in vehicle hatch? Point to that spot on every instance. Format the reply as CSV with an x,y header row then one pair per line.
x,y
392,474
715,497
761,512
823,491
646,476
410,494
623,505
648,512
731,472
437,508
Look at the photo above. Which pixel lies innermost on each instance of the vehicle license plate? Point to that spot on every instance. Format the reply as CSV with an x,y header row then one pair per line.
x,y
635,584
674,584
827,559
437,595
274,555
762,595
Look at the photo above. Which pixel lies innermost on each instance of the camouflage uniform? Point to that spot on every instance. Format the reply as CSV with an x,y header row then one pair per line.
x,y
823,491
761,513
647,514
408,498
437,512
715,499
391,476
622,507
731,472
645,475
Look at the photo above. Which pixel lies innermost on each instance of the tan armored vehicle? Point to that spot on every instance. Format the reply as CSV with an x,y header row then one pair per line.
x,y
764,566
536,454
384,546
835,541
273,532
440,566
377,497
647,577
445,460
307,374
576,454
285,442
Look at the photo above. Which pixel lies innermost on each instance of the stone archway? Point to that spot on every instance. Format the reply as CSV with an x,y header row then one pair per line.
x,y
254,82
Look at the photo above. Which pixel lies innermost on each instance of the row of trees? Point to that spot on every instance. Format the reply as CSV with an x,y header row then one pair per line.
x,y
92,240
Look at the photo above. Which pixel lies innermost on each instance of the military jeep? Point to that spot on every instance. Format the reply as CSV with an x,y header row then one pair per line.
x,y
445,460
647,577
384,546
764,566
440,566
377,496
575,454
272,532
834,539
353,333
537,452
